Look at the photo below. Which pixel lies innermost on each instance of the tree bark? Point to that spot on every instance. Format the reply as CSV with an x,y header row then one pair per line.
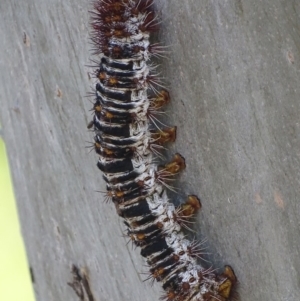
x,y
233,74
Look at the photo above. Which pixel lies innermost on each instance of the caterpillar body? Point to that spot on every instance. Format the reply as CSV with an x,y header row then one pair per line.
x,y
127,141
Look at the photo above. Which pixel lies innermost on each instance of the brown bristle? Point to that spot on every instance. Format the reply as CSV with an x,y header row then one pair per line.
x,y
119,194
176,165
228,281
140,236
97,146
224,289
108,152
191,206
229,273
109,115
149,24
157,273
108,19
97,108
121,33
112,81
166,173
169,296
165,135
142,6
134,224
102,76
109,6
194,202
160,100
108,34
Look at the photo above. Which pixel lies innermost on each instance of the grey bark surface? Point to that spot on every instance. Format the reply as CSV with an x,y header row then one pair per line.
x,y
233,74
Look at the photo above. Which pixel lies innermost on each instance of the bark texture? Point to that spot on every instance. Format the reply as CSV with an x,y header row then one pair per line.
x,y
233,72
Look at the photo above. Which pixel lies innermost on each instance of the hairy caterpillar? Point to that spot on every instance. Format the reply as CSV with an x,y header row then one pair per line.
x,y
127,139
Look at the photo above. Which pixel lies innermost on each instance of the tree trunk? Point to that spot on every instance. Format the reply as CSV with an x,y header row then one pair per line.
x,y
233,75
